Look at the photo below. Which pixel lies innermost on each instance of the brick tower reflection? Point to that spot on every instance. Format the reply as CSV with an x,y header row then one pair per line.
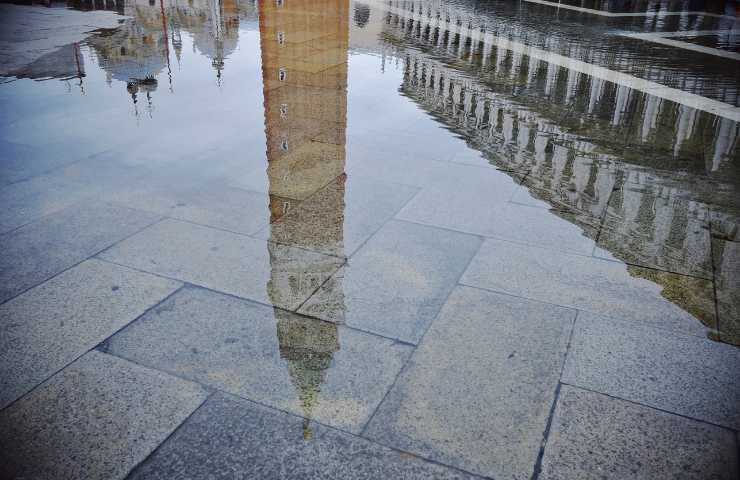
x,y
304,70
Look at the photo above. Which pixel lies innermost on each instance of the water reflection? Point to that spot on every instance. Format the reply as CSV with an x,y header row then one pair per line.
x,y
304,73
652,179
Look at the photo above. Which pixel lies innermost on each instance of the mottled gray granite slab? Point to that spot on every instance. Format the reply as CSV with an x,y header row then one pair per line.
x,y
479,388
309,367
595,436
39,250
678,373
227,262
52,324
96,419
671,301
211,204
397,282
231,438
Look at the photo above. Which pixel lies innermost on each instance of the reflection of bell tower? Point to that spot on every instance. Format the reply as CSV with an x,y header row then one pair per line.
x,y
304,71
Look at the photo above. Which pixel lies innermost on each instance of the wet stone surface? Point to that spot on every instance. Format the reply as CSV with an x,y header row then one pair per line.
x,y
391,239
305,366
228,435
633,442
479,387
97,418
51,325
683,374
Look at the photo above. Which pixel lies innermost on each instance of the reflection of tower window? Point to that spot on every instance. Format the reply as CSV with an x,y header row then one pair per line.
x,y
281,38
284,144
282,74
279,3
283,110
362,15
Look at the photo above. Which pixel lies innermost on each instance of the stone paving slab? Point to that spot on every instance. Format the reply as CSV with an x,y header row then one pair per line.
x,y
678,373
483,208
479,388
52,324
231,438
227,262
595,436
20,162
96,419
28,201
309,367
397,282
39,250
726,257
340,217
675,302
212,204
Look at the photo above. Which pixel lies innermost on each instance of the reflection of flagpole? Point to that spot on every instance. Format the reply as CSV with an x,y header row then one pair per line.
x,y
166,42
80,73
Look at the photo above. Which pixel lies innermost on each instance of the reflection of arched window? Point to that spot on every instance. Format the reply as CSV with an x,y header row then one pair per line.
x,y
362,15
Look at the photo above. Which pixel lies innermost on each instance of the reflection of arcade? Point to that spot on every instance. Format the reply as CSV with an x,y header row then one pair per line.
x,y
304,69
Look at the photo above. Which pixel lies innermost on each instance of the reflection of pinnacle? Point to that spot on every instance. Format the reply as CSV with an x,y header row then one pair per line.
x,y
308,346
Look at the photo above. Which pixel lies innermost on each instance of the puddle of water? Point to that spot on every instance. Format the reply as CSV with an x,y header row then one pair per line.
x,y
290,101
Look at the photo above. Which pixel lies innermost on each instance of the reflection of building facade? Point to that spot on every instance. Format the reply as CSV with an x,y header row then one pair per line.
x,y
146,45
645,174
304,70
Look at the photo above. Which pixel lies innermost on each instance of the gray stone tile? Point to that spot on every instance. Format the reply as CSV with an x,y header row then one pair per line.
x,y
479,388
726,257
211,204
595,436
26,201
483,208
397,282
228,435
52,324
682,374
96,419
39,250
340,217
227,262
309,367
671,301
470,209
21,162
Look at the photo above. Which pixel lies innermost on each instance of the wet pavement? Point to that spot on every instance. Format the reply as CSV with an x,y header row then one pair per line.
x,y
346,239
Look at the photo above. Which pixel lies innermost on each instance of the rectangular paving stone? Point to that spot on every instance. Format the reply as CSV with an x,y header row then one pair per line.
x,y
675,302
211,204
479,388
309,367
227,262
397,282
595,436
483,208
39,250
340,217
96,419
28,200
229,436
52,324
726,257
678,373
470,209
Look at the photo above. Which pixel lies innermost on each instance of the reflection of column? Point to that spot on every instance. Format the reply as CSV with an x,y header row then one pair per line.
x,y
304,71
